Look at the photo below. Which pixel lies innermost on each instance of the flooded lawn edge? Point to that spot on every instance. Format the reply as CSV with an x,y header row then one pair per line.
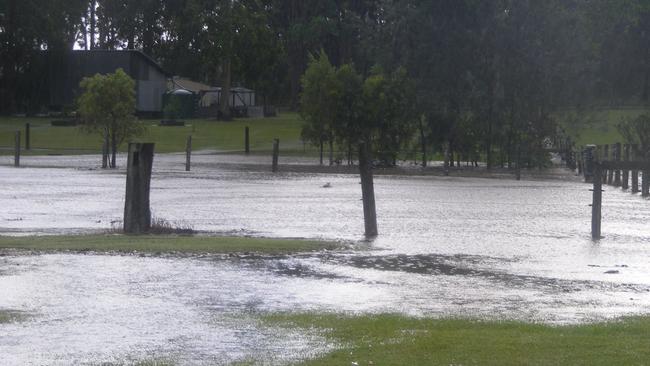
x,y
390,339
163,244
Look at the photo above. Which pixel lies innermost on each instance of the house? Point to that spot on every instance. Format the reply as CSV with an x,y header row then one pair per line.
x,y
65,71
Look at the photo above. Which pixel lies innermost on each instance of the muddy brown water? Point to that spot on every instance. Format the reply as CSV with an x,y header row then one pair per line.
x,y
448,246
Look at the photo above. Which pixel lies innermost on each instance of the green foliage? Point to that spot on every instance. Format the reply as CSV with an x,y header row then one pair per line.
x,y
338,105
107,105
319,100
174,108
636,131
399,340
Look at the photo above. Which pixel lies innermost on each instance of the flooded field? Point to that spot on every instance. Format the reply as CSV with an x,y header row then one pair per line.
x,y
448,246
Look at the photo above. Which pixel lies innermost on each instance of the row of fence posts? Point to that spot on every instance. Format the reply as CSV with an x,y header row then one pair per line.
x,y
275,154
188,148
617,165
617,176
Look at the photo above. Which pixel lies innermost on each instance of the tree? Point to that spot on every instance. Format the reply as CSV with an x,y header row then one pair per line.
x,y
107,107
636,132
319,103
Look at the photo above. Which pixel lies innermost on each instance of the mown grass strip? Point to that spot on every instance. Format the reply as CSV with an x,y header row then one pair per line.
x,y
162,244
206,134
399,340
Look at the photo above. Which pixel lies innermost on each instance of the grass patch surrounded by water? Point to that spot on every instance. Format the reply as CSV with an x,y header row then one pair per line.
x,y
399,340
8,316
162,244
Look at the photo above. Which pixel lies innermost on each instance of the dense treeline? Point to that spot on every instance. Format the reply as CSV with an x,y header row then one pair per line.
x,y
488,76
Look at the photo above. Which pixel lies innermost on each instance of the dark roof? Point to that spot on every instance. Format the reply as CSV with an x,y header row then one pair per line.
x,y
136,53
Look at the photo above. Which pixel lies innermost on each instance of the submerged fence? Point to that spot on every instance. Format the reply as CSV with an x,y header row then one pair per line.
x,y
617,165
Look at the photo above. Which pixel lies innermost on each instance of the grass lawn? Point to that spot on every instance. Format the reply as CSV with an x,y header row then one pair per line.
x,y
398,340
206,134
162,244
597,127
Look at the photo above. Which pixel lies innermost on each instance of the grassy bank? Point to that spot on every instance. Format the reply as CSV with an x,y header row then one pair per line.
x,y
161,244
206,134
397,340
597,126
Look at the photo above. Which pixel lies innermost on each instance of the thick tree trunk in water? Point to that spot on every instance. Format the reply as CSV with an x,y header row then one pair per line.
x,y
137,211
367,192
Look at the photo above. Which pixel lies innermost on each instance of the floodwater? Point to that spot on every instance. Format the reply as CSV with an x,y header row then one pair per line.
x,y
448,246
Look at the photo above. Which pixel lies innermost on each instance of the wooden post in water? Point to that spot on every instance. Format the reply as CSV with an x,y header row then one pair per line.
x,y
137,213
645,183
188,153
17,149
247,148
367,192
626,173
596,204
28,144
617,158
276,152
635,173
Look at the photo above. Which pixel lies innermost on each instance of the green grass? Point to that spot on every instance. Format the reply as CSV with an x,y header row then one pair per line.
x,y
161,244
398,340
7,316
597,127
206,134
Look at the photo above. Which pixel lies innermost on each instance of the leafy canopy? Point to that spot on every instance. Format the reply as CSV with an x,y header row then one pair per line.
x,y
107,105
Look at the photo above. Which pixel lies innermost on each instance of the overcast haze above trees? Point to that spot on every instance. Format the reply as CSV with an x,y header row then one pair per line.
x,y
488,77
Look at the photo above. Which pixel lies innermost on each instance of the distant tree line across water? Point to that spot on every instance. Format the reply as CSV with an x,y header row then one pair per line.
x,y
486,77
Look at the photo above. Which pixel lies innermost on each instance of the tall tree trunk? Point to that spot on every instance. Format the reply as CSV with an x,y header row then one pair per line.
x,y
113,149
224,101
423,143
321,150
93,23
331,146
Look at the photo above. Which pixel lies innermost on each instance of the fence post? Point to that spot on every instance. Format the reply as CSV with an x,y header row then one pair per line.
x,y
635,173
137,213
596,203
276,152
188,153
247,140
27,137
367,192
17,149
626,173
